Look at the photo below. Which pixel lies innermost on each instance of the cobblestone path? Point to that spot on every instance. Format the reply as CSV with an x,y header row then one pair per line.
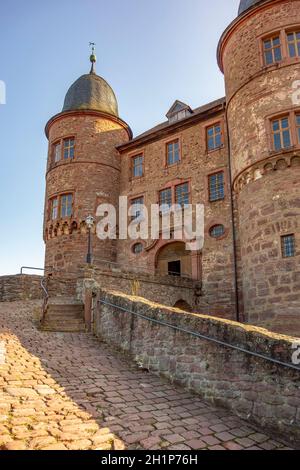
x,y
69,391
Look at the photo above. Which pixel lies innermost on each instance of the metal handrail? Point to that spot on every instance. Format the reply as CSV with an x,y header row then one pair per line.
x,y
30,267
46,297
205,337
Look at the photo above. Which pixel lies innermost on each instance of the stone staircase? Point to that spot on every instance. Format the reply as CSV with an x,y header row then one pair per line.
x,y
63,315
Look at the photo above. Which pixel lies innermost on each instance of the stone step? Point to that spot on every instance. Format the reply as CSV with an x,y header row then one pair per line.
x,y
63,310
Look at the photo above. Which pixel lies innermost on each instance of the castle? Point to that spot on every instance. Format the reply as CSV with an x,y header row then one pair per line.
x,y
239,156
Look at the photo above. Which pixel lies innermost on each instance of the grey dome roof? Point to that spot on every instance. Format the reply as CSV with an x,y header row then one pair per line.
x,y
91,92
246,4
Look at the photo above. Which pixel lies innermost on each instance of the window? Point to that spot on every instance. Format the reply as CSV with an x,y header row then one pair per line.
x,y
217,231
288,246
137,248
173,152
165,197
137,166
57,152
214,137
66,205
174,268
298,127
216,187
69,148
281,133
293,40
272,50
182,195
54,208
137,203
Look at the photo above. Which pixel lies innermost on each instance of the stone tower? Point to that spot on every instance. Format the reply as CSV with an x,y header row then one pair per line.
x,y
259,54
83,170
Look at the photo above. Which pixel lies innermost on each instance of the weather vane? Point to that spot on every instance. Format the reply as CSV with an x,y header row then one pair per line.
x,y
93,57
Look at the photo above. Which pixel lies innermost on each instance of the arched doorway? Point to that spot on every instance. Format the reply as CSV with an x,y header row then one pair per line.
x,y
183,305
174,260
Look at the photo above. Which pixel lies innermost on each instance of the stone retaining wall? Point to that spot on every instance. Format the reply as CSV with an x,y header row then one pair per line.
x,y
255,389
20,287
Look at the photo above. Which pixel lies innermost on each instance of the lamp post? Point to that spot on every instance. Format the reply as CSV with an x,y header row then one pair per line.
x,y
89,223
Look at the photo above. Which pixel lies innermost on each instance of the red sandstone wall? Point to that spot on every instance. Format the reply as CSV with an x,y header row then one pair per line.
x,y
93,177
257,390
266,183
215,268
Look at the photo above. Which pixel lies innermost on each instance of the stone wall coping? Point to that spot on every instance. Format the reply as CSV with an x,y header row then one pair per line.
x,y
252,338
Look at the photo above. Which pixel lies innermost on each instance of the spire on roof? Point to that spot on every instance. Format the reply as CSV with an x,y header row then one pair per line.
x,y
93,58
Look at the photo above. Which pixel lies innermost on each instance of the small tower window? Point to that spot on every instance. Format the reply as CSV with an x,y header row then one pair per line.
x,y
69,148
288,246
216,187
272,50
217,231
57,152
137,166
214,137
281,133
293,40
54,208
182,194
173,152
66,205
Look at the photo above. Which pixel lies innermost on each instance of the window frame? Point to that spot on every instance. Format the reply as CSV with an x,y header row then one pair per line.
x,y
69,148
293,128
210,126
188,193
136,216
167,143
209,176
293,31
281,132
58,198
132,160
54,145
284,247
270,37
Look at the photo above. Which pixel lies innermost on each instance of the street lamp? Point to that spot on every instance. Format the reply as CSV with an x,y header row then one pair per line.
x,y
89,223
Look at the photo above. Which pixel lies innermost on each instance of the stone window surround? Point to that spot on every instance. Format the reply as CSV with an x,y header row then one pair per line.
x,y
211,225
291,114
59,197
172,185
61,142
226,183
282,33
137,242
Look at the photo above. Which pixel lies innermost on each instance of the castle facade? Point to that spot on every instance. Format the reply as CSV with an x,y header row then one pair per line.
x,y
239,156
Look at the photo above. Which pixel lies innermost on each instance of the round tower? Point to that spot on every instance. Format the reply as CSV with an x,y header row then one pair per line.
x,y
83,171
259,54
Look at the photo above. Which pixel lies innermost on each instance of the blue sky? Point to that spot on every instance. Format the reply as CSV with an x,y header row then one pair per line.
x,y
151,53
